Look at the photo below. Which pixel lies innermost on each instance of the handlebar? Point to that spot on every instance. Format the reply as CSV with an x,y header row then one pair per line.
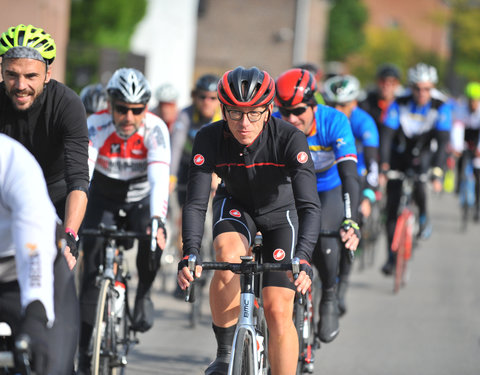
x,y
112,232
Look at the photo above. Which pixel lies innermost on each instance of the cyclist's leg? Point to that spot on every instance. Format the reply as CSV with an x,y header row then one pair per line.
x,y
420,197
394,192
139,218
279,292
476,175
326,258
233,233
98,211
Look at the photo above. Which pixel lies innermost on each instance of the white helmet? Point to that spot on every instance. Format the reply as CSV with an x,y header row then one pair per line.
x,y
341,89
130,86
422,73
166,93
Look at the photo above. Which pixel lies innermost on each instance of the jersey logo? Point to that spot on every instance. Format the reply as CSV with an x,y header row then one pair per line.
x,y
235,213
114,148
279,254
302,157
198,159
340,142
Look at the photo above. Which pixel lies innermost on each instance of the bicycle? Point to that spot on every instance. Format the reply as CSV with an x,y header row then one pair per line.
x,y
404,236
7,356
250,342
112,335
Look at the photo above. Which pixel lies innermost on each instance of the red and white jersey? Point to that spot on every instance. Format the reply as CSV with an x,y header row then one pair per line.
x,y
142,161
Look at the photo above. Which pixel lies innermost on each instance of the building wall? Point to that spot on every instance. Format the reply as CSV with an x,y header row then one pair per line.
x,y
416,18
258,33
51,15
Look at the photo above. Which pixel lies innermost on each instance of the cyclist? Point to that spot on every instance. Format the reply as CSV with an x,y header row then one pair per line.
x,y
37,291
386,89
341,92
268,186
48,118
130,153
465,137
167,109
332,148
411,123
94,98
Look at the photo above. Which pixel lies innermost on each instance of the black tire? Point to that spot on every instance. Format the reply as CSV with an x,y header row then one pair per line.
x,y
298,319
263,330
243,353
102,332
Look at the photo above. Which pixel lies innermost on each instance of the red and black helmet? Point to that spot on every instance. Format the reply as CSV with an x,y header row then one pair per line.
x,y
246,88
295,86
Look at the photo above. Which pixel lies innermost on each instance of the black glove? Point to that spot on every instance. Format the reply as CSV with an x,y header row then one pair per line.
x,y
186,254
349,223
72,244
305,266
34,329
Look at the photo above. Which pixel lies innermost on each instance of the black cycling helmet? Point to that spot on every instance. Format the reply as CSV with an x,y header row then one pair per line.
x,y
207,82
246,88
94,98
388,70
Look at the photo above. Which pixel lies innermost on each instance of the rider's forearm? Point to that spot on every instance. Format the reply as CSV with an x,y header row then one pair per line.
x,y
75,207
350,187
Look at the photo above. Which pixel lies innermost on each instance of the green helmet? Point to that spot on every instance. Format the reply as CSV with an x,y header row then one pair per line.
x,y
472,90
41,45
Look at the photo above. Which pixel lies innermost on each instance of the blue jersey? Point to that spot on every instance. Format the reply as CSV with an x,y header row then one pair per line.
x,y
366,135
330,142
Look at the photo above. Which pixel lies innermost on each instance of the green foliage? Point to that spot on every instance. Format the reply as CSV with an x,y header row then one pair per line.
x,y
345,29
106,23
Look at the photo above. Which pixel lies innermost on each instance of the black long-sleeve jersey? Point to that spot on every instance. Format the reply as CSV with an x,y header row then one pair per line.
x,y
274,173
54,130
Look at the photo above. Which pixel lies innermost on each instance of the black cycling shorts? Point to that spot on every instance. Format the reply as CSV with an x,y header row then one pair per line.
x,y
279,232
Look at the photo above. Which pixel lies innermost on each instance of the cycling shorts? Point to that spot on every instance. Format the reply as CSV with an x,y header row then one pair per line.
x,y
278,228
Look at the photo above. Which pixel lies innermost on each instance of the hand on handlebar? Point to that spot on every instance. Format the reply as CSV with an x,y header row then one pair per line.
x,y
184,276
350,234
301,275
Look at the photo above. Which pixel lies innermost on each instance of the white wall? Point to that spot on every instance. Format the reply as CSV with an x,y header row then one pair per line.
x,y
167,37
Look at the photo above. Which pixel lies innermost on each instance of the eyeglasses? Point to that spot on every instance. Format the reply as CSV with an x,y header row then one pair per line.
x,y
294,111
252,115
416,88
204,97
124,110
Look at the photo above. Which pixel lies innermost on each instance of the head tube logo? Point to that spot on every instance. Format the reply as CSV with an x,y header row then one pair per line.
x,y
302,157
198,159
235,213
279,254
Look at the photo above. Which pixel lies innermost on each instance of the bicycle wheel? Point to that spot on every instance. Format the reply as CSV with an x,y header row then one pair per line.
x,y
303,320
243,353
263,332
401,245
103,332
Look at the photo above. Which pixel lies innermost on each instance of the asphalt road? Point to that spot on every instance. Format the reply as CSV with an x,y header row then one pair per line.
x,y
431,327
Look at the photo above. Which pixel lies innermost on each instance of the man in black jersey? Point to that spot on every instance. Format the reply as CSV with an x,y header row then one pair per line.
x,y
268,185
49,119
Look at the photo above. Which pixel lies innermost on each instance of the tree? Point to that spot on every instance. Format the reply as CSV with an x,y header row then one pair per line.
x,y
345,33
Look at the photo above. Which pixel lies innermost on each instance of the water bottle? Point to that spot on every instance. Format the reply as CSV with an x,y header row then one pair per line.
x,y
120,298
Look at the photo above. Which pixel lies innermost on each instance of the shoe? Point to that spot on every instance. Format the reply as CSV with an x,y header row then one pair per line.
x,y
388,268
425,227
342,287
217,367
328,327
143,314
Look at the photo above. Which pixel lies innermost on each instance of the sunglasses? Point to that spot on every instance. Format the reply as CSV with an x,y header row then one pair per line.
x,y
295,111
204,97
124,110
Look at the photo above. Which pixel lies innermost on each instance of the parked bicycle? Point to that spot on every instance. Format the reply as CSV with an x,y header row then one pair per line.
x,y
112,336
250,343
404,238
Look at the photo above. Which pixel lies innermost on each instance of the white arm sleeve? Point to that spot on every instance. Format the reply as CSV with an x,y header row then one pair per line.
x,y
24,197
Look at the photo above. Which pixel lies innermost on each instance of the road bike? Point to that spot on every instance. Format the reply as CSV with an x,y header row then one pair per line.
x,y
404,238
250,342
7,357
112,336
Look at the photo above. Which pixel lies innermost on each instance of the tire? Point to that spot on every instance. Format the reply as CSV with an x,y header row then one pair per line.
x,y
102,332
243,354
400,264
263,330
298,320
304,323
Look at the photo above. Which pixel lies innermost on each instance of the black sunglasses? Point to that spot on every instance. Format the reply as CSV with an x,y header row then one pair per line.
x,y
295,111
124,110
